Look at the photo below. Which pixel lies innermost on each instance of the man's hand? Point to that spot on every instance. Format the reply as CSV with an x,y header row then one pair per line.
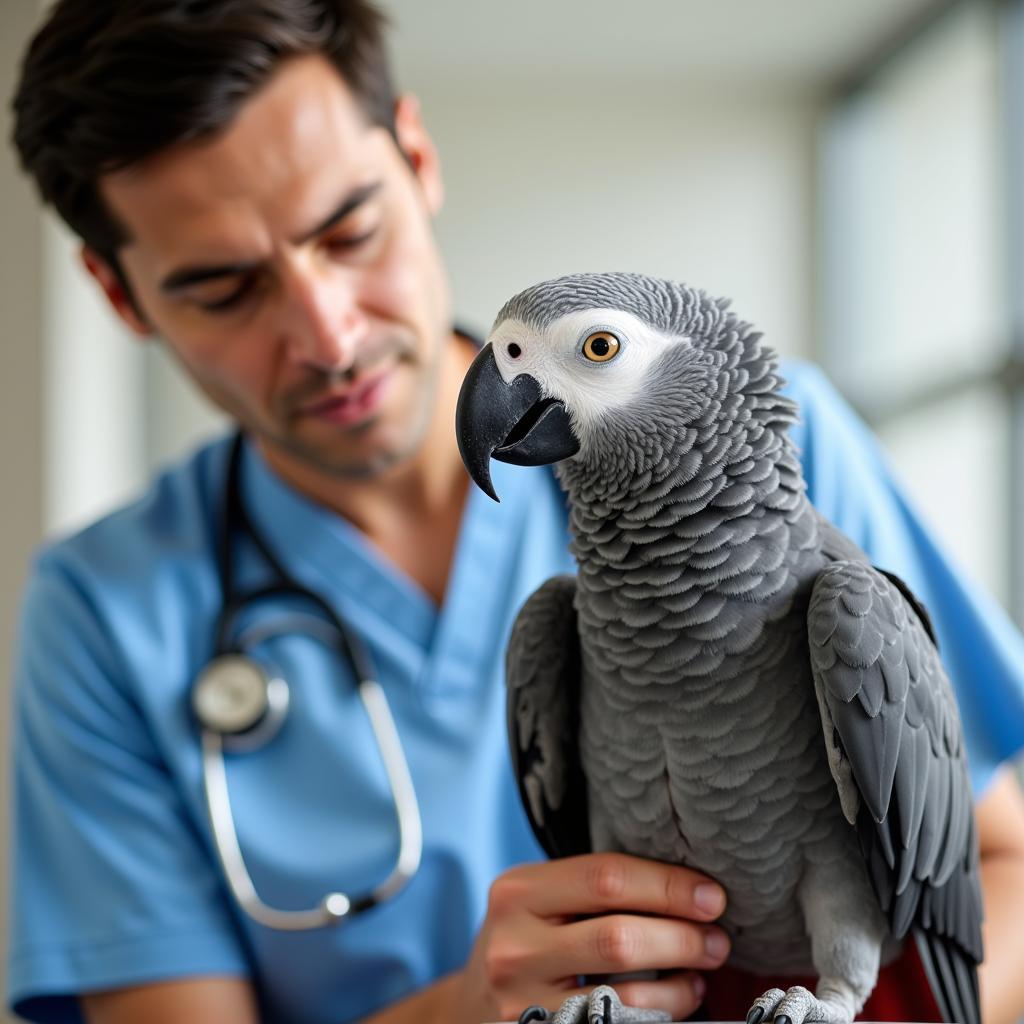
x,y
601,913
1000,815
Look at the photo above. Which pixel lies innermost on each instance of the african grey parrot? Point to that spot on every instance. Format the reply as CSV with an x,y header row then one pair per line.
x,y
726,683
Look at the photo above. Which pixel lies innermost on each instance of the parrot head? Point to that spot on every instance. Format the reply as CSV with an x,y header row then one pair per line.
x,y
590,366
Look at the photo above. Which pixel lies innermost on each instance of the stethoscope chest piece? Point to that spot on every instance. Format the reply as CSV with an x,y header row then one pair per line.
x,y
240,700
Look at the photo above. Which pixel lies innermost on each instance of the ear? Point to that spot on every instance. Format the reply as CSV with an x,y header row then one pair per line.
x,y
117,294
419,150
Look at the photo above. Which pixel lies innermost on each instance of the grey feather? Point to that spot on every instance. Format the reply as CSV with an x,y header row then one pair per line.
x,y
753,699
899,763
543,717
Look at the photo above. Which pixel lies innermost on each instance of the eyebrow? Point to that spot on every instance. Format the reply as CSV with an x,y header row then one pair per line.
x,y
185,277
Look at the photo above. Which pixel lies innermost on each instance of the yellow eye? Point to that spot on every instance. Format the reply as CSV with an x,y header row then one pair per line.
x,y
601,346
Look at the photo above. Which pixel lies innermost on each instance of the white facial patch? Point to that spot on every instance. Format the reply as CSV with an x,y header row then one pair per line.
x,y
555,359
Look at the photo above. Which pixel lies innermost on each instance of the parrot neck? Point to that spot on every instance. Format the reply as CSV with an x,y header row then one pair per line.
x,y
692,500
669,460
693,504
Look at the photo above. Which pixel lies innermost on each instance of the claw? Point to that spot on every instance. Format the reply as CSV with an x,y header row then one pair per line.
x,y
605,1016
602,1006
799,1006
533,1013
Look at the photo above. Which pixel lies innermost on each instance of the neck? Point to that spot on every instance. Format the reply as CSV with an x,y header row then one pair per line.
x,y
410,511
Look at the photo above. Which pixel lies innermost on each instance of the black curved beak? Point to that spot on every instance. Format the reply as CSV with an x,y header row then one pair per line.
x,y
508,422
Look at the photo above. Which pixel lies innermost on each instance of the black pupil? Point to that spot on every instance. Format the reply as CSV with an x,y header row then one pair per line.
x,y
599,346
514,351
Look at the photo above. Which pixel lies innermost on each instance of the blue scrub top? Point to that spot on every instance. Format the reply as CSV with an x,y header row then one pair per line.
x,y
115,879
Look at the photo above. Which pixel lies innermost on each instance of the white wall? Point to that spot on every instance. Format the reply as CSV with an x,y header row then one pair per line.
x,y
715,190
93,408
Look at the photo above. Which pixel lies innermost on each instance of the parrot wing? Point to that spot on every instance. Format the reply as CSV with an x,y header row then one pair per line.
x,y
896,752
543,672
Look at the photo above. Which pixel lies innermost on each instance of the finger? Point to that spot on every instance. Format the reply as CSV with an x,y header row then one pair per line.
x,y
680,993
618,943
599,882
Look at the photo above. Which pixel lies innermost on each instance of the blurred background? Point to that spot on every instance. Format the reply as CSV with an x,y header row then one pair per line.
x,y
849,174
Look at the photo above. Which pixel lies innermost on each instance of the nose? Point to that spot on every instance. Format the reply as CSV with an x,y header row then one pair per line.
x,y
322,321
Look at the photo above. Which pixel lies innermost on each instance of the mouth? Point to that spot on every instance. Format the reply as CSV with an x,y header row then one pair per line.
x,y
352,404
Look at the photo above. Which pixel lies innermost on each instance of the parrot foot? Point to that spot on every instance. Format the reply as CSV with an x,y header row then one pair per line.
x,y
795,1006
602,1006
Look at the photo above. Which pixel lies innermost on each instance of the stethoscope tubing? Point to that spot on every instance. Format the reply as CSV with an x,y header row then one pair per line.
x,y
334,906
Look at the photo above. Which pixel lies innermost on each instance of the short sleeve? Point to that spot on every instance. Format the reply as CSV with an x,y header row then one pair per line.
x,y
112,883
851,484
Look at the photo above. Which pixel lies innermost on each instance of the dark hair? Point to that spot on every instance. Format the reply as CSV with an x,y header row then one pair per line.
x,y
107,83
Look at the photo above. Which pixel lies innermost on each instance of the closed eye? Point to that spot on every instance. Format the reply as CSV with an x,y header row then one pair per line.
x,y
347,243
232,299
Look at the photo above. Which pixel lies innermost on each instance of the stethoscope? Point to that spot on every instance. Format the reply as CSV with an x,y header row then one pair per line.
x,y
241,703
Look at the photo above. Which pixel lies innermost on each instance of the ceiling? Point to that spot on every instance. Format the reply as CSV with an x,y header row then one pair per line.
x,y
803,44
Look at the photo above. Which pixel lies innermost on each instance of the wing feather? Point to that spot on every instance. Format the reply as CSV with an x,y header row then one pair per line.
x,y
543,674
896,751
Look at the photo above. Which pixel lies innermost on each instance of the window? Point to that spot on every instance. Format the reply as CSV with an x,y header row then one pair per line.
x,y
919,268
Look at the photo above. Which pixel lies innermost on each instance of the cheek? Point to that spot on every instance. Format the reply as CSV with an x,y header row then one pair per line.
x,y
241,363
393,286
407,283
594,390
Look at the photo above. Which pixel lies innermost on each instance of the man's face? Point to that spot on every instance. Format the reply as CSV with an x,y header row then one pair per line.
x,y
291,267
